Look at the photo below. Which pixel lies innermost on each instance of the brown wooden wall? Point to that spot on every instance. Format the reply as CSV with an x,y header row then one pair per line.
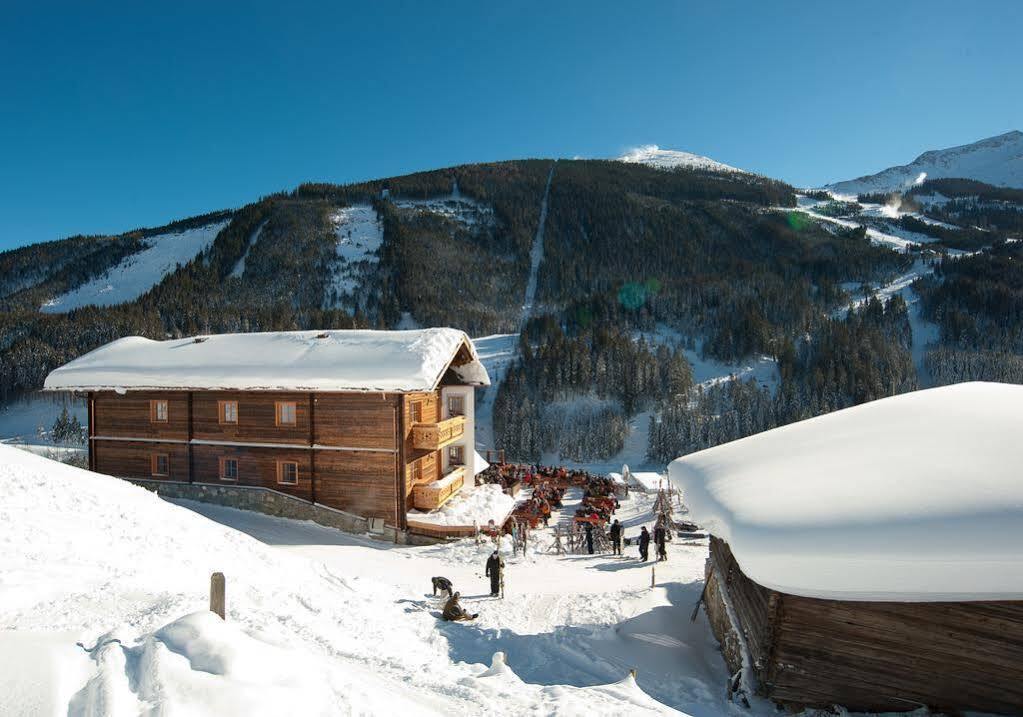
x,y
431,414
360,482
133,459
256,467
880,656
128,415
256,417
357,420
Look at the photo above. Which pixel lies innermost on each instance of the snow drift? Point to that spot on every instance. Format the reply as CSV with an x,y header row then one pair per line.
x,y
912,498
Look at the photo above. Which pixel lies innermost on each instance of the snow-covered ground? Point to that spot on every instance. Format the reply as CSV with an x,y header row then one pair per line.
x,y
496,353
455,206
654,156
104,589
140,272
475,507
359,233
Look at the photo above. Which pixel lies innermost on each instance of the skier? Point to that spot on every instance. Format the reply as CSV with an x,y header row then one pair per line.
x,y
616,537
495,566
660,540
453,611
644,544
589,538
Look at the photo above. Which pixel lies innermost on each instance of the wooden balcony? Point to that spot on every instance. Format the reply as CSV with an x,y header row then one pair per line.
x,y
434,436
430,496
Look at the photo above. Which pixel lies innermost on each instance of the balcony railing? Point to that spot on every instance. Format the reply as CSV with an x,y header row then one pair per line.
x,y
430,496
434,436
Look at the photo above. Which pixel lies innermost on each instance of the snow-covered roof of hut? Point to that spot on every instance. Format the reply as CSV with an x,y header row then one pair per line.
x,y
918,497
393,361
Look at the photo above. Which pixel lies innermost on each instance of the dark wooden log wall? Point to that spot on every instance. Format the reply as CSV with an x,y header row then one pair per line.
x,y
879,656
256,467
257,417
133,459
128,415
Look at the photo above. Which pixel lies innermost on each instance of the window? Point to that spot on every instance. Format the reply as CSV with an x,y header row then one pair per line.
x,y
228,468
287,472
417,412
287,412
456,405
228,411
160,464
456,455
158,411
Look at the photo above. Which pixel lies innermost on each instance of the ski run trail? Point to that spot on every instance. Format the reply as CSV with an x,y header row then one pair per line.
x,y
499,351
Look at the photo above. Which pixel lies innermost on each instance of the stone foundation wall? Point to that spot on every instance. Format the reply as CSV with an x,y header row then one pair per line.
x,y
271,502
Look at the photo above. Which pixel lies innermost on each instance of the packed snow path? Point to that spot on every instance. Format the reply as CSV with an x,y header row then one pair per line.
x,y
579,620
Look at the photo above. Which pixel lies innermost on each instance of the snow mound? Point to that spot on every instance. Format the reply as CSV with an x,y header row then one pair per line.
x,y
911,498
337,360
996,160
482,504
653,156
140,272
499,668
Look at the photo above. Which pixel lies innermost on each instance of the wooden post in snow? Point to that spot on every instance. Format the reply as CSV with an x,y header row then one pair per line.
x,y
653,576
218,600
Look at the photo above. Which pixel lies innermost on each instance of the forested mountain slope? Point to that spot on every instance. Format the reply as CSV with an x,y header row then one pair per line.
x,y
645,270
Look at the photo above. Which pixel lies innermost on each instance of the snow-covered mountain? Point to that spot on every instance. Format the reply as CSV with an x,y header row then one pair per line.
x,y
654,156
996,160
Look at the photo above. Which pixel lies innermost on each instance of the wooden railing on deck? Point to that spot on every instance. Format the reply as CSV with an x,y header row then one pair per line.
x,y
434,436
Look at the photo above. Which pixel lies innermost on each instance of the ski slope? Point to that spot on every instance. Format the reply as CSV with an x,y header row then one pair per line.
x,y
359,233
140,272
105,587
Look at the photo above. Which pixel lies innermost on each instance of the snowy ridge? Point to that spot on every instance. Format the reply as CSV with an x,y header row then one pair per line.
x,y
140,272
653,156
911,498
338,360
996,160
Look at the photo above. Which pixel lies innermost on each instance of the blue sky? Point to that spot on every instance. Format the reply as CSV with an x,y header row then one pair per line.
x,y
115,117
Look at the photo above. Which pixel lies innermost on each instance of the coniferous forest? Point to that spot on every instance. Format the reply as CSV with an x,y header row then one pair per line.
x,y
644,272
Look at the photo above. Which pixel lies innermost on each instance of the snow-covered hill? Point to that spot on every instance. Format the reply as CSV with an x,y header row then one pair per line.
x,y
996,160
654,156
139,272
103,590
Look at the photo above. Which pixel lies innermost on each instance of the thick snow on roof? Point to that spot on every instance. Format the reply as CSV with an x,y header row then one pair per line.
x,y
277,361
918,497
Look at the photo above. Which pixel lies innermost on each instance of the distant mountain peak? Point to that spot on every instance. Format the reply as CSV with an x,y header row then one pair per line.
x,y
996,160
654,156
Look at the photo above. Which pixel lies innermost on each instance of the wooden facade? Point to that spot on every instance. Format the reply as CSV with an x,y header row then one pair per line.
x,y
351,451
869,656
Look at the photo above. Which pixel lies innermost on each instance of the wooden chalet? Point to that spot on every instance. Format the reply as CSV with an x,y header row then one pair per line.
x,y
872,558
372,423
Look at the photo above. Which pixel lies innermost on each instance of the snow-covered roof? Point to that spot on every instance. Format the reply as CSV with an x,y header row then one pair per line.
x,y
391,361
918,497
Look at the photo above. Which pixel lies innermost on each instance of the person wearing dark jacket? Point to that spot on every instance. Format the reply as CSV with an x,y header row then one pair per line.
x,y
644,544
589,538
660,540
453,610
616,537
495,566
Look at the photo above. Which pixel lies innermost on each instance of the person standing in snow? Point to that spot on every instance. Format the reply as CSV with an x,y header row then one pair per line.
x,y
495,566
589,538
616,537
660,540
644,544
